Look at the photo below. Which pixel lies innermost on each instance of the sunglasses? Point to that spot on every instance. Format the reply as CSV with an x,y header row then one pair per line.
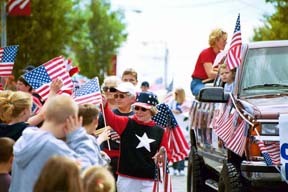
x,y
137,108
111,89
119,95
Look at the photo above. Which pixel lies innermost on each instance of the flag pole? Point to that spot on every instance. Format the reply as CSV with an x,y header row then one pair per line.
x,y
3,24
105,124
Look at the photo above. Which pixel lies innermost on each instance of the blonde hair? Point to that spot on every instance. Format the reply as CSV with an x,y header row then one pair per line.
x,y
89,112
13,103
215,35
153,110
224,66
59,108
59,174
179,95
98,179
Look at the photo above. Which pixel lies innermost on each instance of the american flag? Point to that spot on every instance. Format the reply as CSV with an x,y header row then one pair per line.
x,y
36,104
167,181
41,77
19,7
237,140
89,93
72,70
177,142
270,152
225,127
7,57
234,52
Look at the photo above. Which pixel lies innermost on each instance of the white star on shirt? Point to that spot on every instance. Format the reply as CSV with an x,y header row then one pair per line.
x,y
144,142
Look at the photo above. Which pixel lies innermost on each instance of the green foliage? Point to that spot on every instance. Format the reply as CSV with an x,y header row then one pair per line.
x,y
106,34
276,25
88,33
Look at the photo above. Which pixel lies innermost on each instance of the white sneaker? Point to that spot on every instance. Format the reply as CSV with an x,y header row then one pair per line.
x,y
175,172
182,173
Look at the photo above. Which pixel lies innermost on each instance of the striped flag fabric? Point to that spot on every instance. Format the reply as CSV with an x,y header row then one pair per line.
x,y
7,58
18,7
234,52
237,140
41,77
225,128
167,180
270,152
90,92
176,141
72,70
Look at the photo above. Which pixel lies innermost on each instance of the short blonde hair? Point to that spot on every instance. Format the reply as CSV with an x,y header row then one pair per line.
x,y
59,108
180,95
215,35
13,103
98,179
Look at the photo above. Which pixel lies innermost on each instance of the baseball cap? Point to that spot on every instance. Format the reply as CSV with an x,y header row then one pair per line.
x,y
126,87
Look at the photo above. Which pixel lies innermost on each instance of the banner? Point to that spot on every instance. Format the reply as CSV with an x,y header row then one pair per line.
x,y
283,132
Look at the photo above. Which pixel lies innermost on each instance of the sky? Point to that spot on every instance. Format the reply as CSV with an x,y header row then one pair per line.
x,y
182,28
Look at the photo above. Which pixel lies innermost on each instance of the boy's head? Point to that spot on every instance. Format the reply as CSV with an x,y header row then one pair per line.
x,y
59,108
22,85
6,151
130,75
89,114
226,75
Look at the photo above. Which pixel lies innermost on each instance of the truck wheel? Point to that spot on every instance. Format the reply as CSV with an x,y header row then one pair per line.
x,y
229,180
195,175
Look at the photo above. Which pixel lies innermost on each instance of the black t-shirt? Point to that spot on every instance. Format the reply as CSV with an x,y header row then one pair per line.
x,y
13,131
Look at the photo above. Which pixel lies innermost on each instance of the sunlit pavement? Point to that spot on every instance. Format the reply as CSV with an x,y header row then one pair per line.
x,y
179,182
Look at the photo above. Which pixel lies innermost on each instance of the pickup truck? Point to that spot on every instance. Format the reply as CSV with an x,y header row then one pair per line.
x,y
238,150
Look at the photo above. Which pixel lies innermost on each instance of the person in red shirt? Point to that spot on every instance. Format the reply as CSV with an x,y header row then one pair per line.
x,y
141,141
203,69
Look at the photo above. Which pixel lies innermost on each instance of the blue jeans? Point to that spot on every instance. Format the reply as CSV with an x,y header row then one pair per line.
x,y
179,165
196,85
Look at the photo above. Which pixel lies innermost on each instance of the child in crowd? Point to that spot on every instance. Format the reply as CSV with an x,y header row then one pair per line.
x,y
59,174
36,146
98,179
141,140
227,76
6,158
15,111
89,113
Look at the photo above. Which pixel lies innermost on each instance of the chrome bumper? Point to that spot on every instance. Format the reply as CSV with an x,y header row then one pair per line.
x,y
259,171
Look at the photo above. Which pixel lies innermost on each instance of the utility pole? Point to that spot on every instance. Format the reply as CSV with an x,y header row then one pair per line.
x,y
3,24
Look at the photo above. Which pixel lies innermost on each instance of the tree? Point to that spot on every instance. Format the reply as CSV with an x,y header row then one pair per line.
x,y
106,34
43,35
276,25
88,33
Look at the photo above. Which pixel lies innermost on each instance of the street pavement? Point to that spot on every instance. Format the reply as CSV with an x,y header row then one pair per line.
x,y
179,182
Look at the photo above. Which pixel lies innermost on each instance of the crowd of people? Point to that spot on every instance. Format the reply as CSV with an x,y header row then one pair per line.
x,y
58,145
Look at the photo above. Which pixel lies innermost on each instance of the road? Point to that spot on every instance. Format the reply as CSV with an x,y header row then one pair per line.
x,y
179,182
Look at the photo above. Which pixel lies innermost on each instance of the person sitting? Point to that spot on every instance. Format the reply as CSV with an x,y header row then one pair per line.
x,y
203,71
227,76
6,158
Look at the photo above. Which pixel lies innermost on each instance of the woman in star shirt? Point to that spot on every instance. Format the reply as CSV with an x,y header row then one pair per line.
x,y
141,140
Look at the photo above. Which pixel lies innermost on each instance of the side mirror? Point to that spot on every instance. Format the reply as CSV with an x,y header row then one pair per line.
x,y
213,94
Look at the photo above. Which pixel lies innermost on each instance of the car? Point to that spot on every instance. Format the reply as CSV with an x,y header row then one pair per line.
x,y
238,150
